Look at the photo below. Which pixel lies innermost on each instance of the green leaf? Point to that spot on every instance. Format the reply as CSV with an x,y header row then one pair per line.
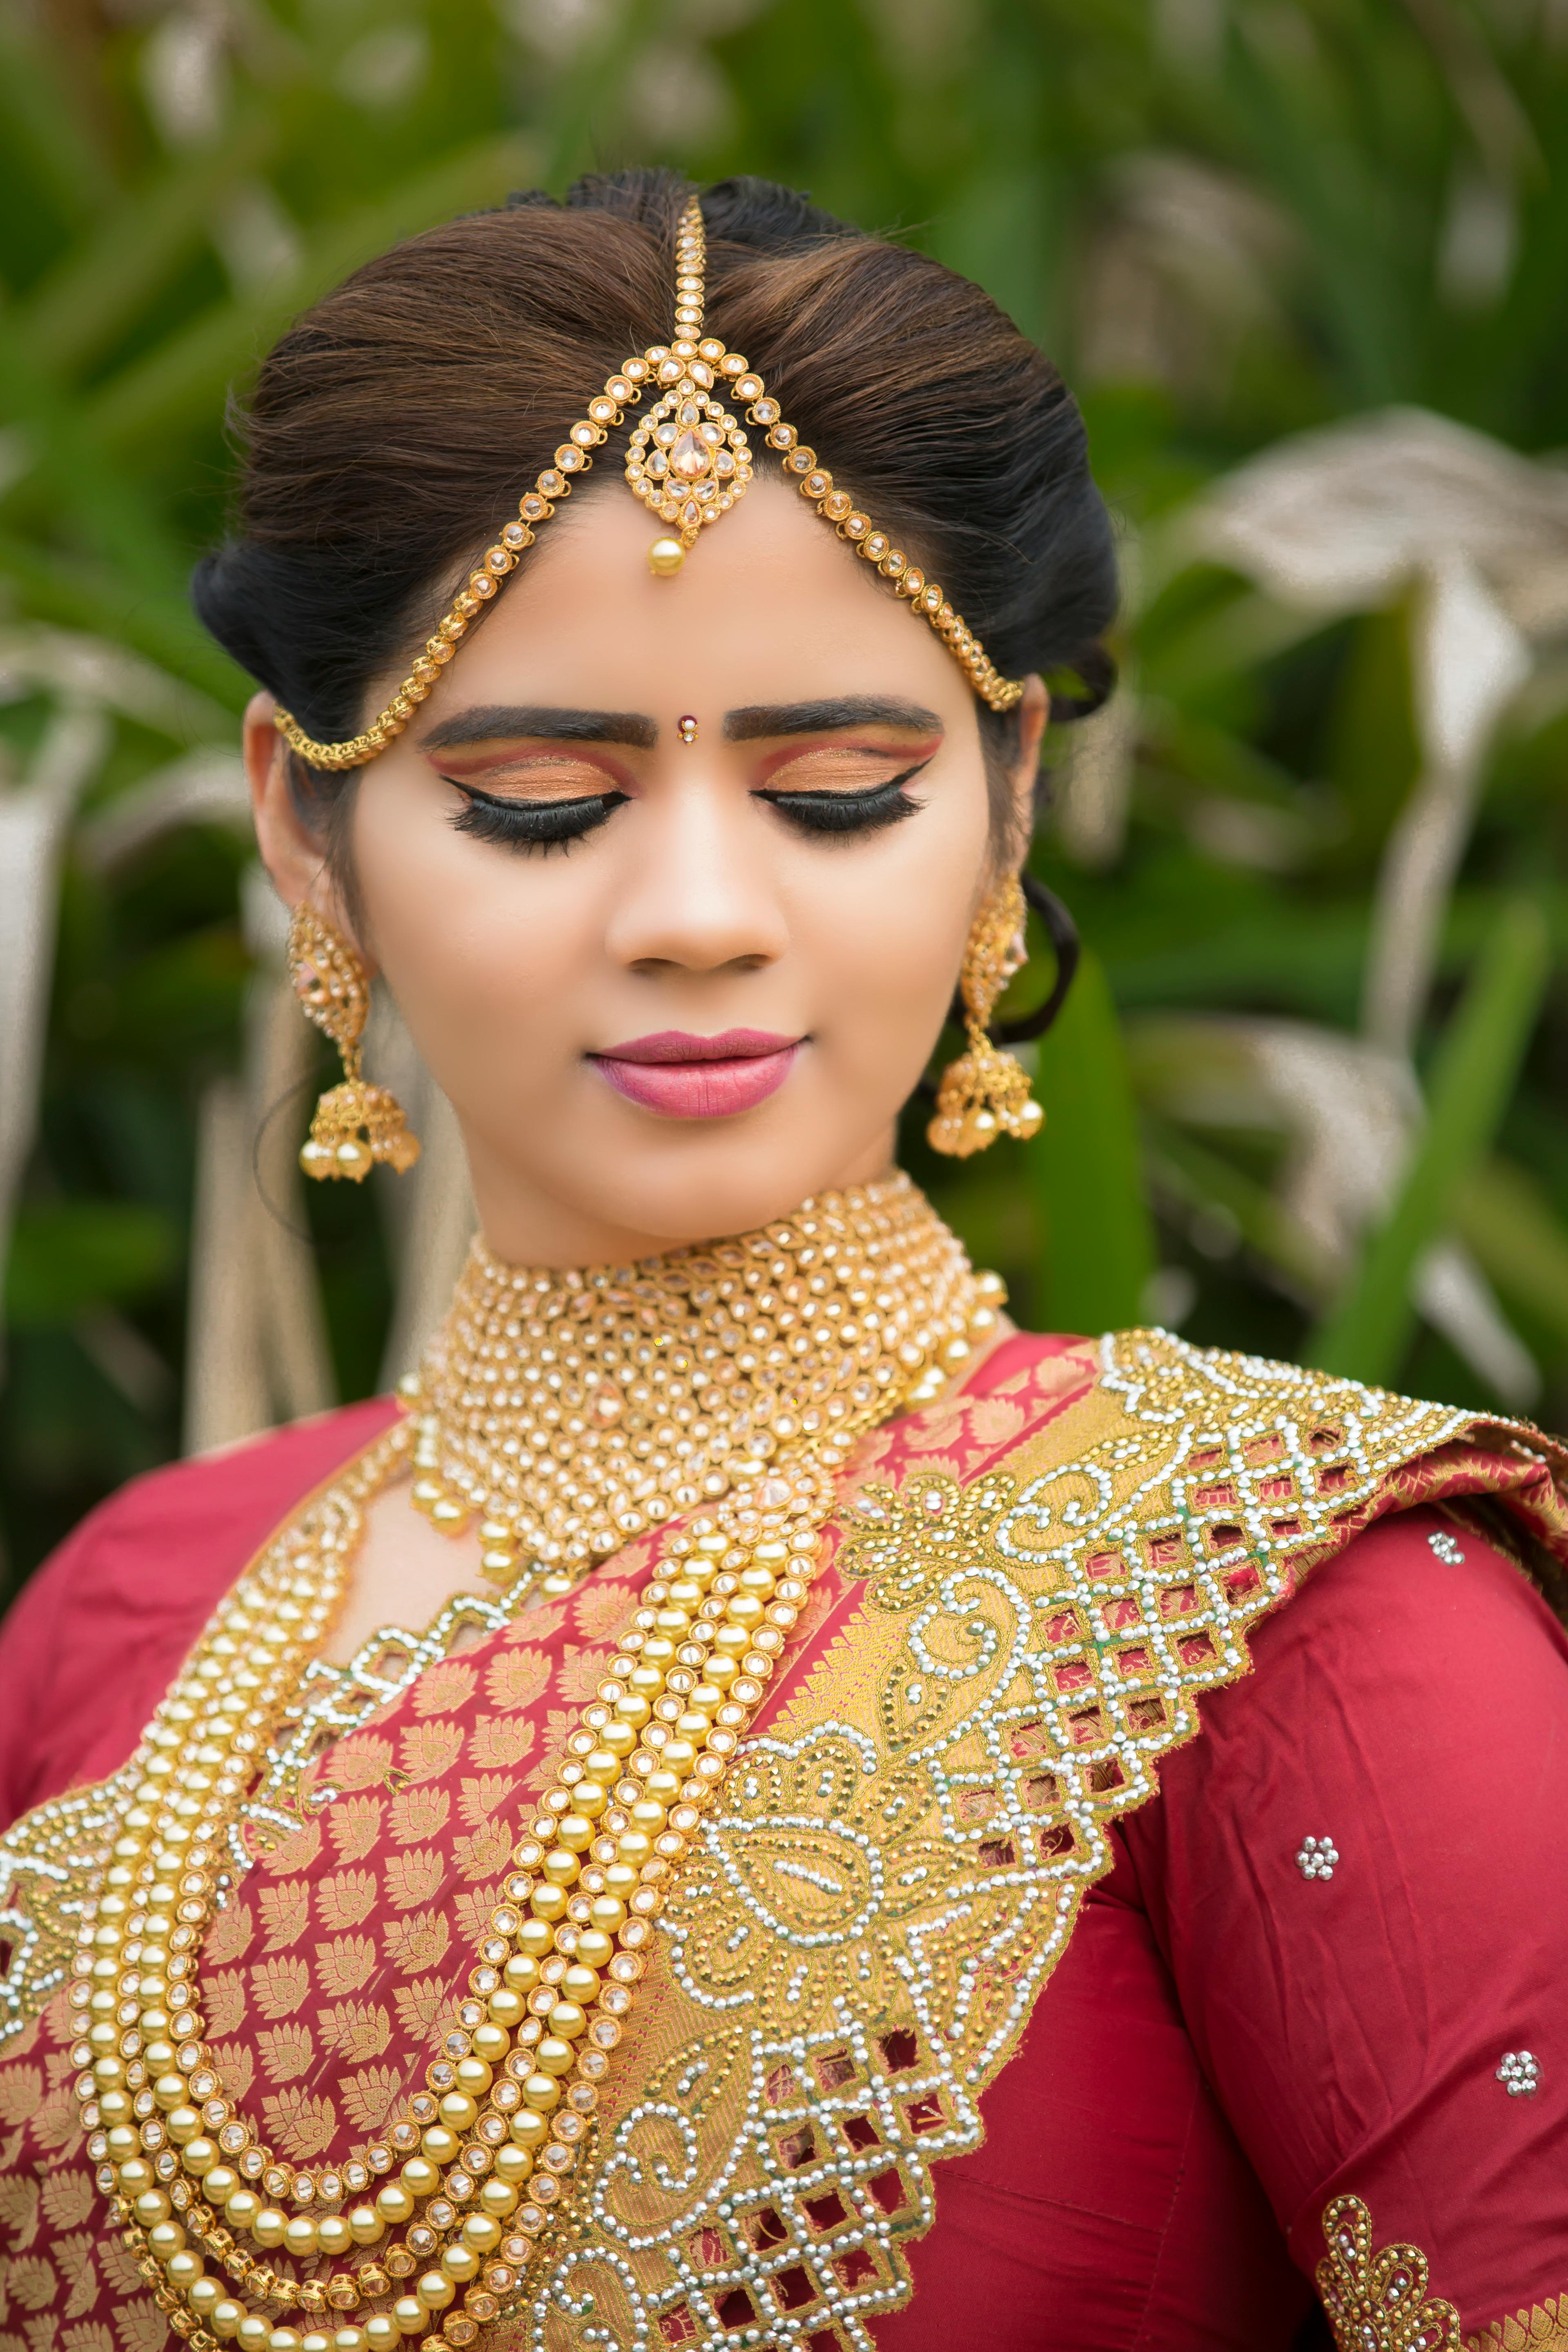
x,y
72,1258
1472,1078
1201,1178
1086,1166
1508,1222
44,129
90,596
186,377
102,283
114,514
605,62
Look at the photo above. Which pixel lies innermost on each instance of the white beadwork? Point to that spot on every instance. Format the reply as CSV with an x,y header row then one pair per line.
x,y
905,1896
1446,1547
336,1701
1316,1857
1521,2072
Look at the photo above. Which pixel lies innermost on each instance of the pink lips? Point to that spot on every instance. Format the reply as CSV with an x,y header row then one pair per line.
x,y
686,1076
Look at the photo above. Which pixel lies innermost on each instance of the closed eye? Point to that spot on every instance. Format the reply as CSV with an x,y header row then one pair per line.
x,y
533,824
867,810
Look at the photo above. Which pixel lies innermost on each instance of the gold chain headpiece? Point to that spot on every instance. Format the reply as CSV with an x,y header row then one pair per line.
x,y
690,460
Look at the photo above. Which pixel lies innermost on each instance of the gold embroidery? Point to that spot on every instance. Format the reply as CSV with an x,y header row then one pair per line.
x,y
894,1868
896,1865
628,1800
1543,2328
1376,2301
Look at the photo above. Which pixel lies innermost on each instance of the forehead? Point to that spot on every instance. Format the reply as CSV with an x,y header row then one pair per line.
x,y
771,606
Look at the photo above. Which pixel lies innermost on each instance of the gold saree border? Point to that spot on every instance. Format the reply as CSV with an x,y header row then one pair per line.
x,y
896,1863
891,1875
1542,2328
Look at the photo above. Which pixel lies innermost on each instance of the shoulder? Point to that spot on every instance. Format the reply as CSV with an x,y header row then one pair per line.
x,y
1355,1876
98,1632
1413,1679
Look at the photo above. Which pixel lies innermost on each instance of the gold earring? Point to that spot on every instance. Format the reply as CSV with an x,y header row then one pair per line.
x,y
355,1124
985,1093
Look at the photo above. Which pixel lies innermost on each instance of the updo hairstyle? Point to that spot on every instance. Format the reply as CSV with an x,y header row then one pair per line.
x,y
393,425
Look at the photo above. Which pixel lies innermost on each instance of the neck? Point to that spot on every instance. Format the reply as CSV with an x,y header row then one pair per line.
x,y
525,1222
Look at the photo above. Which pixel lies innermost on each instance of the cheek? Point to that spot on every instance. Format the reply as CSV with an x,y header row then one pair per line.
x,y
466,934
887,942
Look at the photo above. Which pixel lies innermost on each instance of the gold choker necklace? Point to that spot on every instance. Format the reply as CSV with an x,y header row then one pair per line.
x,y
736,1377
570,1411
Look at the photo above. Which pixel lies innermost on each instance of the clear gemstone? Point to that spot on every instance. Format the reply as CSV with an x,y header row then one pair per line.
x,y
690,457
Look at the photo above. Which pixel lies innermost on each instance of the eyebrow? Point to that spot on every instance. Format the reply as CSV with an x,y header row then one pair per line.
x,y
828,717
497,722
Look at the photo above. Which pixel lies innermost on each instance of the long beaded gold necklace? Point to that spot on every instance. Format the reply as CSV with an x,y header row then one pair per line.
x,y
728,1384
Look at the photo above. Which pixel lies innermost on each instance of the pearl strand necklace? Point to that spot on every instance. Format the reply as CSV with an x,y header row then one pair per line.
x,y
568,1946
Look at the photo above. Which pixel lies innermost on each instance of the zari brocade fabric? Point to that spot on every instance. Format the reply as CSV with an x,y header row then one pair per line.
x,y
1084,1940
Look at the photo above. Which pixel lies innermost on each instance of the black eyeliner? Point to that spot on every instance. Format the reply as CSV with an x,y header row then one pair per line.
x,y
556,825
532,824
868,810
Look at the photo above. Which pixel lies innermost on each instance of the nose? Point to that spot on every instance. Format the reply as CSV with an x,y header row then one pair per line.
x,y
697,891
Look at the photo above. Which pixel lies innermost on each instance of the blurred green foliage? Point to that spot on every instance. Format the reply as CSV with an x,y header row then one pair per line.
x,y
1229,220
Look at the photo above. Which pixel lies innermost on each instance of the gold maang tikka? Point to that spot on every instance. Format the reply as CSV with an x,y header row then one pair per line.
x,y
689,459
356,1124
986,1092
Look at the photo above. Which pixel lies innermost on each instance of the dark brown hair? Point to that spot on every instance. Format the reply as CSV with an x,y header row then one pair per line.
x,y
393,425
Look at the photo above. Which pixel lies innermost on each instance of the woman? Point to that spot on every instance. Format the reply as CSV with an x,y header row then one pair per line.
x,y
778,1884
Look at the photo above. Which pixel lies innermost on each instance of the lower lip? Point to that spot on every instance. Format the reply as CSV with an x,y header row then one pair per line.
x,y
698,1089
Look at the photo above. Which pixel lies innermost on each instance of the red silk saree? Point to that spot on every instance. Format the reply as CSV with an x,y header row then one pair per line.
x,y
1139,1919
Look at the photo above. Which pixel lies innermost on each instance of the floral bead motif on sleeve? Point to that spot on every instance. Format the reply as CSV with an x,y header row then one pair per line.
x,y
1376,2297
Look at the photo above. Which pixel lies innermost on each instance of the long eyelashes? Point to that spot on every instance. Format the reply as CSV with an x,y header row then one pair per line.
x,y
533,824
867,811
557,824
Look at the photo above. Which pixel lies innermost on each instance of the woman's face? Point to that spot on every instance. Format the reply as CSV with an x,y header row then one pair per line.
x,y
671,987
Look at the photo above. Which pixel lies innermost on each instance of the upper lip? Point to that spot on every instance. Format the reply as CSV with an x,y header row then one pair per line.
x,y
682,1045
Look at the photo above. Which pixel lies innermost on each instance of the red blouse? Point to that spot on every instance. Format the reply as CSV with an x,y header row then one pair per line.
x,y
1243,2027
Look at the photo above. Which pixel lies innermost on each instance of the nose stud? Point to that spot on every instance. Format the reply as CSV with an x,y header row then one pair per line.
x,y
687,729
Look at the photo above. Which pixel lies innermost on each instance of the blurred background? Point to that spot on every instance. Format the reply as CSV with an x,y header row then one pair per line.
x,y
1303,261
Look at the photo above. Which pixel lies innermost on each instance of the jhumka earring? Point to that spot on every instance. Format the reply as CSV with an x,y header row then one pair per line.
x,y
355,1125
985,1093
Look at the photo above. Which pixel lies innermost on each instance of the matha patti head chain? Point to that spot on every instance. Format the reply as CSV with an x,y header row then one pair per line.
x,y
689,459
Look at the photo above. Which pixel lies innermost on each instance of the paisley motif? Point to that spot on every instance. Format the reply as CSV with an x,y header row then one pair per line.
x,y
853,1947
896,1864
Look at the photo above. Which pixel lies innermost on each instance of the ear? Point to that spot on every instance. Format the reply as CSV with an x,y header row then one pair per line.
x,y
293,853
1034,710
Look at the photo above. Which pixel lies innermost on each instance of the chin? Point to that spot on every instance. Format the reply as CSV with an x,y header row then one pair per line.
x,y
708,1183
